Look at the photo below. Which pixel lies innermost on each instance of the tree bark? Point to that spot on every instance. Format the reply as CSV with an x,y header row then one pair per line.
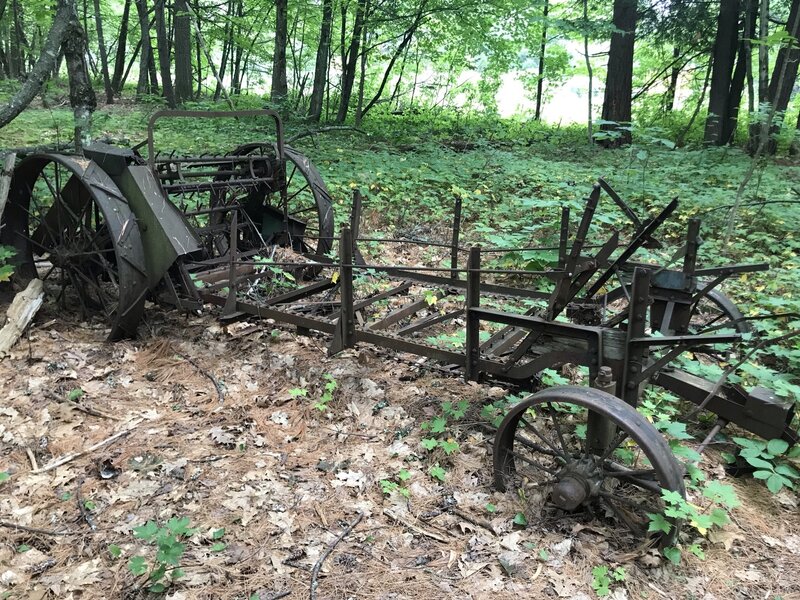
x,y
81,94
781,85
101,43
162,42
146,56
542,51
183,53
587,58
738,79
619,81
280,89
44,66
349,73
321,65
363,68
723,57
763,51
122,42
672,87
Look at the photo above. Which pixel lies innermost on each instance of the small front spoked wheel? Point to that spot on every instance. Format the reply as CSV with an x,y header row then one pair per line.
x,y
569,450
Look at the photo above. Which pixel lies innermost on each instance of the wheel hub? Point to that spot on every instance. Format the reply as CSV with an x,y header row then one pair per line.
x,y
577,482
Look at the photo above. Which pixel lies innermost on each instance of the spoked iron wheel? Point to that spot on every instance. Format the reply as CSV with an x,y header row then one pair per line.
x,y
717,312
72,228
308,203
574,451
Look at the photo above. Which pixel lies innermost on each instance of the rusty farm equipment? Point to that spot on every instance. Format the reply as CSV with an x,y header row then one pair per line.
x,y
252,232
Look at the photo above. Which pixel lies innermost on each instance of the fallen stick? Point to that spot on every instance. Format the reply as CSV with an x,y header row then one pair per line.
x,y
214,380
410,525
32,458
327,552
474,520
69,457
21,312
34,529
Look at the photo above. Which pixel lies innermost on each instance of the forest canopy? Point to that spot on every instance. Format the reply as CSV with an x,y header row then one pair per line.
x,y
687,66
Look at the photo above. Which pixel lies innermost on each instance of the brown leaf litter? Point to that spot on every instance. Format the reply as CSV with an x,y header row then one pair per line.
x,y
285,480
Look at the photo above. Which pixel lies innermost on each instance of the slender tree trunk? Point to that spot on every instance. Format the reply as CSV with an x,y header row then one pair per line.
x,y
163,54
763,51
81,94
321,66
751,9
227,43
589,124
363,69
724,55
146,56
619,81
738,80
279,89
195,23
44,66
672,86
101,43
542,53
780,88
122,42
183,53
199,57
407,37
349,74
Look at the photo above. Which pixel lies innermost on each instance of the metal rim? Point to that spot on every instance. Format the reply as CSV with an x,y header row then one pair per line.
x,y
71,227
546,458
305,193
728,313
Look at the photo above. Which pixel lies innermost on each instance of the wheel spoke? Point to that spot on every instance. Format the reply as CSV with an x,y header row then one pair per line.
x,y
559,433
528,424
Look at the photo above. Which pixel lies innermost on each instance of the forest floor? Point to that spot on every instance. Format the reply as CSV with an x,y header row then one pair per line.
x,y
270,482
284,479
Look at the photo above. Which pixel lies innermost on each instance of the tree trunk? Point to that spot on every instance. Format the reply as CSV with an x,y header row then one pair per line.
x,y
723,57
162,41
407,37
44,66
146,56
738,80
751,9
101,43
781,84
227,44
81,94
619,80
122,42
349,73
542,52
183,53
587,58
672,87
321,66
280,89
763,51
363,69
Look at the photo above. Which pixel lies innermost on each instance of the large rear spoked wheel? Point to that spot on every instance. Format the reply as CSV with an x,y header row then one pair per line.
x,y
309,209
575,451
72,228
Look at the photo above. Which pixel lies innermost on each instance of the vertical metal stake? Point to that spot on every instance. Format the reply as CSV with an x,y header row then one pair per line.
x,y
454,245
473,300
355,216
347,319
563,238
230,301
